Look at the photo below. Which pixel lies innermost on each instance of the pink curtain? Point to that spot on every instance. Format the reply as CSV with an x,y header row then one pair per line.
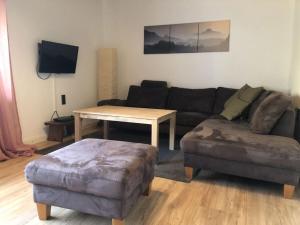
x,y
11,144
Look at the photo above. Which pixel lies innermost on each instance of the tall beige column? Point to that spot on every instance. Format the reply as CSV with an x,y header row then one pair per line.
x,y
107,73
295,72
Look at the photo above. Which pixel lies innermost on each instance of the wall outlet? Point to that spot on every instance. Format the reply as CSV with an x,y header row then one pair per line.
x,y
63,99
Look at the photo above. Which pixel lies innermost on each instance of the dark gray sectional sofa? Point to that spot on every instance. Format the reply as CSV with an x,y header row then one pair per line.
x,y
211,142
193,105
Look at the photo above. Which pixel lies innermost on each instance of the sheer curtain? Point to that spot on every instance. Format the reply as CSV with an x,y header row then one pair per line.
x,y
11,144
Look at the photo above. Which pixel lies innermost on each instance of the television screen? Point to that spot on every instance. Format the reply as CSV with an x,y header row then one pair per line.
x,y
57,58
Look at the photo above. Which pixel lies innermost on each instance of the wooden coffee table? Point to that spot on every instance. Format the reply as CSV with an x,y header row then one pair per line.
x,y
130,115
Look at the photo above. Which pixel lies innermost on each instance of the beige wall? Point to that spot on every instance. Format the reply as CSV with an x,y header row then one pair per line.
x,y
260,46
66,21
295,72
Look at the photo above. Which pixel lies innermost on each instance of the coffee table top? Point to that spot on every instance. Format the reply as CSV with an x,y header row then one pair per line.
x,y
126,112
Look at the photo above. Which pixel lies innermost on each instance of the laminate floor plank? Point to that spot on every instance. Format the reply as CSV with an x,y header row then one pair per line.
x,y
207,200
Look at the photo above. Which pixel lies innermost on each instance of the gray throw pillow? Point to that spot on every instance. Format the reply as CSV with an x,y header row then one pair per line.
x,y
269,112
256,103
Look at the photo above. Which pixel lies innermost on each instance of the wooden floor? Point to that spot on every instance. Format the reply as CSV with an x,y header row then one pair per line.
x,y
210,200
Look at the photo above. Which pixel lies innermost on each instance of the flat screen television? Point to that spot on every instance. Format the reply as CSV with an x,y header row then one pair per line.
x,y
57,58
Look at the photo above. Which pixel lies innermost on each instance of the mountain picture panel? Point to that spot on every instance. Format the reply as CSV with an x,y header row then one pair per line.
x,y
157,39
214,36
184,38
211,36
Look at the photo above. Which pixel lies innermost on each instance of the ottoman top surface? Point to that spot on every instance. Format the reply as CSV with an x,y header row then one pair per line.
x,y
106,168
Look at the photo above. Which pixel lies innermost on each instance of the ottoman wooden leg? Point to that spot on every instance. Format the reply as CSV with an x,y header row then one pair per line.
x,y
43,211
189,173
117,222
288,191
148,190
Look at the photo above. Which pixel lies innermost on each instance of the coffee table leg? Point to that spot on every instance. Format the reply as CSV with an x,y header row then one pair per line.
x,y
155,137
105,129
78,125
155,133
172,132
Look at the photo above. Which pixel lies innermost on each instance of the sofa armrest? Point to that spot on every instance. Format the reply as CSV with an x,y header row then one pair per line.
x,y
114,102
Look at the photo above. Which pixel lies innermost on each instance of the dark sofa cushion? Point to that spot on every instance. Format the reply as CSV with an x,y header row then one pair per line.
x,y
147,97
268,112
285,126
234,141
222,95
191,118
191,100
114,102
297,125
154,84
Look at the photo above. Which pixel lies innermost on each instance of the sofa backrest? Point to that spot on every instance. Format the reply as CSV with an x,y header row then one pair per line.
x,y
191,100
222,95
154,84
297,125
285,126
147,97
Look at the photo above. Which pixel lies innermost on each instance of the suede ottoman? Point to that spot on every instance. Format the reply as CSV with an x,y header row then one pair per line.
x,y
100,177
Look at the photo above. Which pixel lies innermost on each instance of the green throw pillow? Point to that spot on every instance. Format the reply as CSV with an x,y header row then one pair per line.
x,y
238,102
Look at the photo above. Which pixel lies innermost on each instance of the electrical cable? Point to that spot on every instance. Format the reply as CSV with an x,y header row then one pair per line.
x,y
43,78
54,113
40,76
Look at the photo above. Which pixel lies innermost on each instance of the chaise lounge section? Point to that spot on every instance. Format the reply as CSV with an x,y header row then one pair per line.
x,y
232,148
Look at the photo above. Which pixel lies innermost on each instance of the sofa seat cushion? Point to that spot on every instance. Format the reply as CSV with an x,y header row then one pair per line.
x,y
234,141
191,100
104,168
191,118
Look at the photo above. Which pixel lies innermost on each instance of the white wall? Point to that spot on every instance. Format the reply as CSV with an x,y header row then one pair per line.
x,y
295,72
260,49
260,45
74,22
